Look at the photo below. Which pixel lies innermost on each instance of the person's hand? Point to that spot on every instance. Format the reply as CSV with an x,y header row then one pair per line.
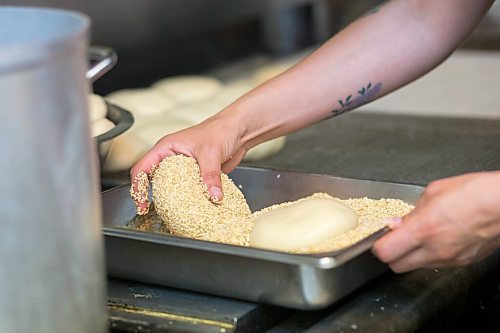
x,y
455,222
214,144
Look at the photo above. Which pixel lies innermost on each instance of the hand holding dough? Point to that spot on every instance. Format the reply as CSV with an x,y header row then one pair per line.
x,y
301,224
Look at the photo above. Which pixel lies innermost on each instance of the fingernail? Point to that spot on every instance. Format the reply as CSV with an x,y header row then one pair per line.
x,y
394,222
215,194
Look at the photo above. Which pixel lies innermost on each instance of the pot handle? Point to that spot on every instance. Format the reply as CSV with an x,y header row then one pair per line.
x,y
102,59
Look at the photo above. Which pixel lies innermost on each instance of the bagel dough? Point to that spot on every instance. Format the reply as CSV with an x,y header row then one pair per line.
x,y
97,107
129,147
188,88
301,224
182,202
265,149
101,126
232,91
125,151
197,112
142,102
152,130
268,72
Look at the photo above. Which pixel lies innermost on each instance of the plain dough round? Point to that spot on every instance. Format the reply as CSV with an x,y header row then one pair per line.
x,y
101,126
232,91
129,147
267,72
188,88
265,149
154,129
97,107
142,102
195,113
125,150
301,224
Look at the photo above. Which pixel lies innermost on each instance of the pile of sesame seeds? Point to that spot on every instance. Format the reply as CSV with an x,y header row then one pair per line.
x,y
183,203
185,209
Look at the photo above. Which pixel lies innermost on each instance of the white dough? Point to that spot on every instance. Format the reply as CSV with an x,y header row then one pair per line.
x,y
232,91
101,126
195,113
188,88
301,224
142,102
129,147
269,71
97,107
125,150
265,149
156,128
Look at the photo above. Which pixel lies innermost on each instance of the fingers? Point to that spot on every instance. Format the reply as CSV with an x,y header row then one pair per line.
x,y
210,169
397,243
139,176
233,162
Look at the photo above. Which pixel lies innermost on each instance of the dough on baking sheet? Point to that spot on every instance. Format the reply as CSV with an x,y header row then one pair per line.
x,y
152,130
142,102
301,224
101,126
125,150
188,88
265,149
129,147
195,113
269,71
97,107
232,91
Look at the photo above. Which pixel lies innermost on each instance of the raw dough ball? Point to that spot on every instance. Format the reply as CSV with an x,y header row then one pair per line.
x,y
142,103
97,107
101,126
195,113
265,149
188,88
269,71
152,130
301,224
181,200
125,150
129,147
232,91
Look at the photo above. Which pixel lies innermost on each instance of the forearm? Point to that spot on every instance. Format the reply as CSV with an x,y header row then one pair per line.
x,y
370,58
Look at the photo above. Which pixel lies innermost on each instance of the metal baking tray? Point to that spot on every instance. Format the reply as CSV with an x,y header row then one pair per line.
x,y
297,281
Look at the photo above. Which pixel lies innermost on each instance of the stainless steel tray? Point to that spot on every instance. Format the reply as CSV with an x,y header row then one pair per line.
x,y
292,280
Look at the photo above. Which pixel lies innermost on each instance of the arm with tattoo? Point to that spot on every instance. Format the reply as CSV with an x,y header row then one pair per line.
x,y
373,56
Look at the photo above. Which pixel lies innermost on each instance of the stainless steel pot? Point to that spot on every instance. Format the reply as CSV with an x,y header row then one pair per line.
x,y
51,250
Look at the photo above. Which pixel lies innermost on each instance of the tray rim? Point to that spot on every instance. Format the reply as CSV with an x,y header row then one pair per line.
x,y
324,260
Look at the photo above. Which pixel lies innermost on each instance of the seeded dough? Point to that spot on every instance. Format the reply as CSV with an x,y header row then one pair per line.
x,y
101,126
188,88
181,200
97,107
301,224
142,102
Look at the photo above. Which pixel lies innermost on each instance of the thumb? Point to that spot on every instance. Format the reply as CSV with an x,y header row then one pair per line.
x,y
210,169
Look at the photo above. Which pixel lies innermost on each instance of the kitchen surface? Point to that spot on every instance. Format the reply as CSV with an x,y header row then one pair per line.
x,y
444,124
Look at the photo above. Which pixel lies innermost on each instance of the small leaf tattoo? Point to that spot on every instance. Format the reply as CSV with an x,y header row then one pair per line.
x,y
365,94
